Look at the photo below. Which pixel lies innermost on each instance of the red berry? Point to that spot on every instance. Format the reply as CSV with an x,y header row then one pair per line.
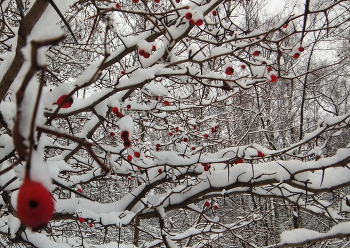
x,y
206,168
185,139
153,48
91,225
261,154
285,26
122,72
214,13
136,139
156,1
158,145
129,178
35,205
136,154
157,149
206,135
188,16
301,49
81,120
170,133
176,129
166,103
135,1
269,68
146,55
127,143
193,148
128,106
207,204
215,207
117,6
81,219
124,135
194,127
256,53
142,52
160,171
119,115
239,161
79,190
192,22
115,110
296,55
68,102
177,1
112,134
229,70
129,157
199,22
273,78
243,66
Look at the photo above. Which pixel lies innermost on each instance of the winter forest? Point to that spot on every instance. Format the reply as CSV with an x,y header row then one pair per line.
x,y
174,123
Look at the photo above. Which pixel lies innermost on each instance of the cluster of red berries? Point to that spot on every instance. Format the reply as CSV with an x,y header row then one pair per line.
x,y
214,129
240,161
261,154
188,16
206,167
125,137
115,110
297,55
157,147
145,54
136,155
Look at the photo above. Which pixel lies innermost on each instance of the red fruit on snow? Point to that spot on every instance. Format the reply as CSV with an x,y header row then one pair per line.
x,y
229,70
188,16
119,115
273,78
156,1
170,133
243,66
136,154
261,154
215,207
146,55
135,1
79,190
177,1
127,143
193,148
142,52
256,53
194,127
269,68
129,178
81,219
157,149
68,102
206,168
166,103
122,72
124,135
117,6
115,110
185,139
128,106
129,157
35,205
199,22
160,171
214,13
207,204
112,134
301,49
153,48
285,26
91,225
206,135
157,145
192,22
296,55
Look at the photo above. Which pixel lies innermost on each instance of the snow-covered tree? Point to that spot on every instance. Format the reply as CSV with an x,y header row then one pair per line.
x,y
173,123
